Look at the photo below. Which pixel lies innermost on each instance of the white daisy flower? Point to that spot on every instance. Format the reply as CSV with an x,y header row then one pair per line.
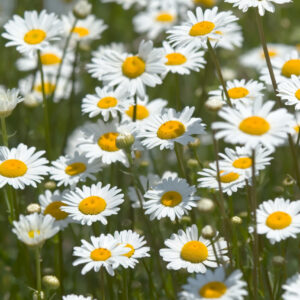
x,y
71,169
230,181
291,288
51,204
289,91
171,197
278,219
253,125
32,33
170,127
92,204
103,251
76,297
8,101
201,26
106,102
35,229
186,250
215,285
183,60
22,166
126,4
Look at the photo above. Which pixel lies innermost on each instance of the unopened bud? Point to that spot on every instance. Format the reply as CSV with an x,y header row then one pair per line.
x,y
206,205
82,9
278,261
33,208
36,295
195,143
214,104
124,141
50,185
144,164
186,219
243,214
51,282
236,220
288,181
192,163
208,232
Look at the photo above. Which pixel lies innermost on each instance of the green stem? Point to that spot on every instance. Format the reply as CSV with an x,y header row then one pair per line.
x,y
295,158
125,285
134,109
102,283
38,272
61,262
177,89
177,148
151,284
4,132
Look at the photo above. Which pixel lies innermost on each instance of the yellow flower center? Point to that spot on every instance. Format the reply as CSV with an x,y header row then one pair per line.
x,y
208,3
34,36
133,67
100,254
278,220
33,233
202,28
170,130
75,168
194,251
212,290
141,112
48,87
164,17
242,163
254,125
291,67
92,205
229,177
50,59
107,102
175,59
131,252
81,31
297,94
272,53
237,92
13,168
171,199
54,210
107,142
296,128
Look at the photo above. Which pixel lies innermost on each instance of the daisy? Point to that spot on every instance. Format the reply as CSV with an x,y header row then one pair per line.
x,y
171,197
200,27
103,251
278,219
106,102
35,229
22,166
51,204
292,291
215,284
8,101
32,33
71,169
230,181
76,297
170,127
289,91
186,250
92,204
183,60
253,125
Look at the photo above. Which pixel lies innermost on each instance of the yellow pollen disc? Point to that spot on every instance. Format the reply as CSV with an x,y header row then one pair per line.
x,y
237,92
131,252
54,210
34,36
254,125
291,67
272,53
175,59
242,163
133,67
170,130
13,168
50,59
296,128
164,17
100,254
171,198
107,102
49,88
194,251
297,94
229,177
212,290
75,168
92,205
81,31
208,3
202,28
107,142
141,112
278,220
32,233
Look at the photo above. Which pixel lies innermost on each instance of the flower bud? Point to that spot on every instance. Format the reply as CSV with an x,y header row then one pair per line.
x,y
51,282
214,104
33,208
82,9
125,141
208,232
236,220
195,143
192,163
206,205
288,181
50,185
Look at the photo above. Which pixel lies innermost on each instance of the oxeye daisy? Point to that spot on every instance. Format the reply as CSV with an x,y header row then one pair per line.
x,y
289,91
291,288
171,197
32,33
186,250
231,181
34,229
106,102
71,169
170,127
253,125
215,285
51,204
278,219
92,204
22,166
76,297
8,101
103,251
200,26
183,60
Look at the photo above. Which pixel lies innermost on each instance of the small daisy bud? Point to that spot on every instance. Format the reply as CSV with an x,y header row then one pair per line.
x,y
33,208
243,214
214,104
31,101
8,101
82,9
208,232
85,46
288,181
206,205
186,219
195,143
236,220
36,296
125,141
50,185
51,282
192,163
228,74
144,164
278,261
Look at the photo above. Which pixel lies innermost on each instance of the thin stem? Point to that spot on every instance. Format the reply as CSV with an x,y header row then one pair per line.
x,y
4,132
151,285
177,89
134,109
295,158
177,149
125,285
61,262
102,283
38,272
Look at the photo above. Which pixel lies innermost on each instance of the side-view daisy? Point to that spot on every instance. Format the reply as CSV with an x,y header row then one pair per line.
x,y
291,288
289,91
8,101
